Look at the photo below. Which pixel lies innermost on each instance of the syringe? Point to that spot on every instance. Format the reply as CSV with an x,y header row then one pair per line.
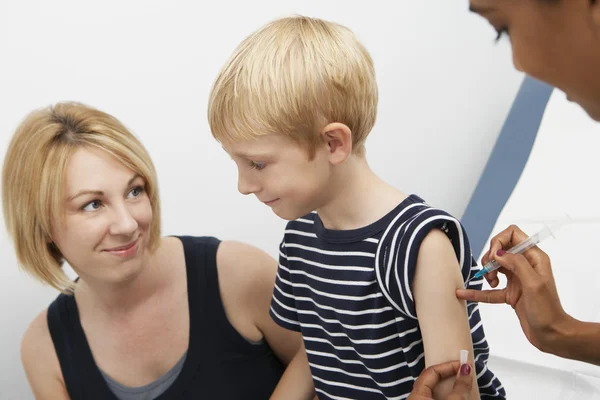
x,y
527,244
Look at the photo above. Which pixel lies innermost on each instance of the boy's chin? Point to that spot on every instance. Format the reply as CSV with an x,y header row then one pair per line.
x,y
289,215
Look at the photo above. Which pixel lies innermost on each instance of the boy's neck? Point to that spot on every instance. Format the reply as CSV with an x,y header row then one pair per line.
x,y
358,197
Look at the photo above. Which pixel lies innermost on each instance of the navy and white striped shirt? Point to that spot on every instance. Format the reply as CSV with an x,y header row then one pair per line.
x,y
363,342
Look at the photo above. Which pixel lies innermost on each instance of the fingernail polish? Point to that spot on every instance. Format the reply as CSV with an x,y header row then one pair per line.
x,y
465,369
500,253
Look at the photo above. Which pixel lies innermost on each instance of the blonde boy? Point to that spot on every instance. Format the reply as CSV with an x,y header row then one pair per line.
x,y
293,108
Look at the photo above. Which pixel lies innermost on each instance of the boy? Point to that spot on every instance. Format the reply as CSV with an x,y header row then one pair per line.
x,y
360,261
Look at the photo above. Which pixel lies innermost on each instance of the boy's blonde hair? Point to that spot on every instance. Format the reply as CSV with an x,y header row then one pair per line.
x,y
34,172
293,77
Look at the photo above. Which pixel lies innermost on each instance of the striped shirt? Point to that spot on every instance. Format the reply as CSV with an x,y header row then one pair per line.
x,y
354,304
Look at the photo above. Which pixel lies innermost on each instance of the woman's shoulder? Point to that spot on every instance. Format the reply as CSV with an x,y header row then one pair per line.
x,y
246,277
40,360
244,264
247,273
37,333
240,266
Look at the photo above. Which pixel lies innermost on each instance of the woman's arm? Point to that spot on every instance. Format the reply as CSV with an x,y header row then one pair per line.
x,y
41,363
442,317
250,278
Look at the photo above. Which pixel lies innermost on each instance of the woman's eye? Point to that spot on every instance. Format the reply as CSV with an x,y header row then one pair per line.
x,y
92,205
501,32
136,192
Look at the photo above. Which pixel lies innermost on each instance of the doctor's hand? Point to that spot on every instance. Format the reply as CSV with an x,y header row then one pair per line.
x,y
530,290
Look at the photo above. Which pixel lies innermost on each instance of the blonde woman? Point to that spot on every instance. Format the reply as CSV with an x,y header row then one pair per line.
x,y
149,317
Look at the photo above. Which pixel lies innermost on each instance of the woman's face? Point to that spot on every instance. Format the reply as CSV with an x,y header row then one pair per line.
x,y
556,41
104,233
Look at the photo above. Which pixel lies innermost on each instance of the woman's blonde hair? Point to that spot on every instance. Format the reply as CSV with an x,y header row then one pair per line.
x,y
33,179
293,77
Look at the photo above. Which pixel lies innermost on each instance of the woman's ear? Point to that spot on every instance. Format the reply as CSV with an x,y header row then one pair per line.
x,y
338,138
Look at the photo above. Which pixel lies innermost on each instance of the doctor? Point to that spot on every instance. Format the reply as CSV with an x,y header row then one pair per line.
x,y
556,41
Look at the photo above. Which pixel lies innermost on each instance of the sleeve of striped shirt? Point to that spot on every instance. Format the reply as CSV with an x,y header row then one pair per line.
x,y
406,251
283,305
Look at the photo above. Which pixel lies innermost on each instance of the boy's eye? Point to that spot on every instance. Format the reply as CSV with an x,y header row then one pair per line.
x,y
92,206
257,166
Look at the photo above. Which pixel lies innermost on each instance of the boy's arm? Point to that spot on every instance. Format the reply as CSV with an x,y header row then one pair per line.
x,y
296,383
442,317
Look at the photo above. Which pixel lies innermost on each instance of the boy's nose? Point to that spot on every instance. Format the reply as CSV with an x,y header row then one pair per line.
x,y
246,186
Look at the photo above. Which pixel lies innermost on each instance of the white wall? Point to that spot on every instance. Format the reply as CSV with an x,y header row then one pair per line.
x,y
445,91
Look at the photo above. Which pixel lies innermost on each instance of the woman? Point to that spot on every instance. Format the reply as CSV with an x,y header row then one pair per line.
x,y
149,317
556,41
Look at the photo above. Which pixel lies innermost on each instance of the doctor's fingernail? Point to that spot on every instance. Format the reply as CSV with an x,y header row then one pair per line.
x,y
500,253
465,369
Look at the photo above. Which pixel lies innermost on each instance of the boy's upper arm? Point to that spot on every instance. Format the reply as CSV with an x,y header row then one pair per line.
x,y
41,362
283,303
442,317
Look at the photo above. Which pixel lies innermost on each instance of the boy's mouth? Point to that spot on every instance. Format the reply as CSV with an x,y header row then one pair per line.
x,y
270,202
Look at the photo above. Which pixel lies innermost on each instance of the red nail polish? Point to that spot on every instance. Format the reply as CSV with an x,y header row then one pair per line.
x,y
465,369
500,253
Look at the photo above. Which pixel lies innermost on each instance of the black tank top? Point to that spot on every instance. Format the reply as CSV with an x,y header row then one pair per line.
x,y
220,363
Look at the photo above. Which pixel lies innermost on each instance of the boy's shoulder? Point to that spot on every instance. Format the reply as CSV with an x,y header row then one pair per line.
x,y
413,207
411,216
416,215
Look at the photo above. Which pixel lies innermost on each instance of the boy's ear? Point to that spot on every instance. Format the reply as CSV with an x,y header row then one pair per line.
x,y
338,139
